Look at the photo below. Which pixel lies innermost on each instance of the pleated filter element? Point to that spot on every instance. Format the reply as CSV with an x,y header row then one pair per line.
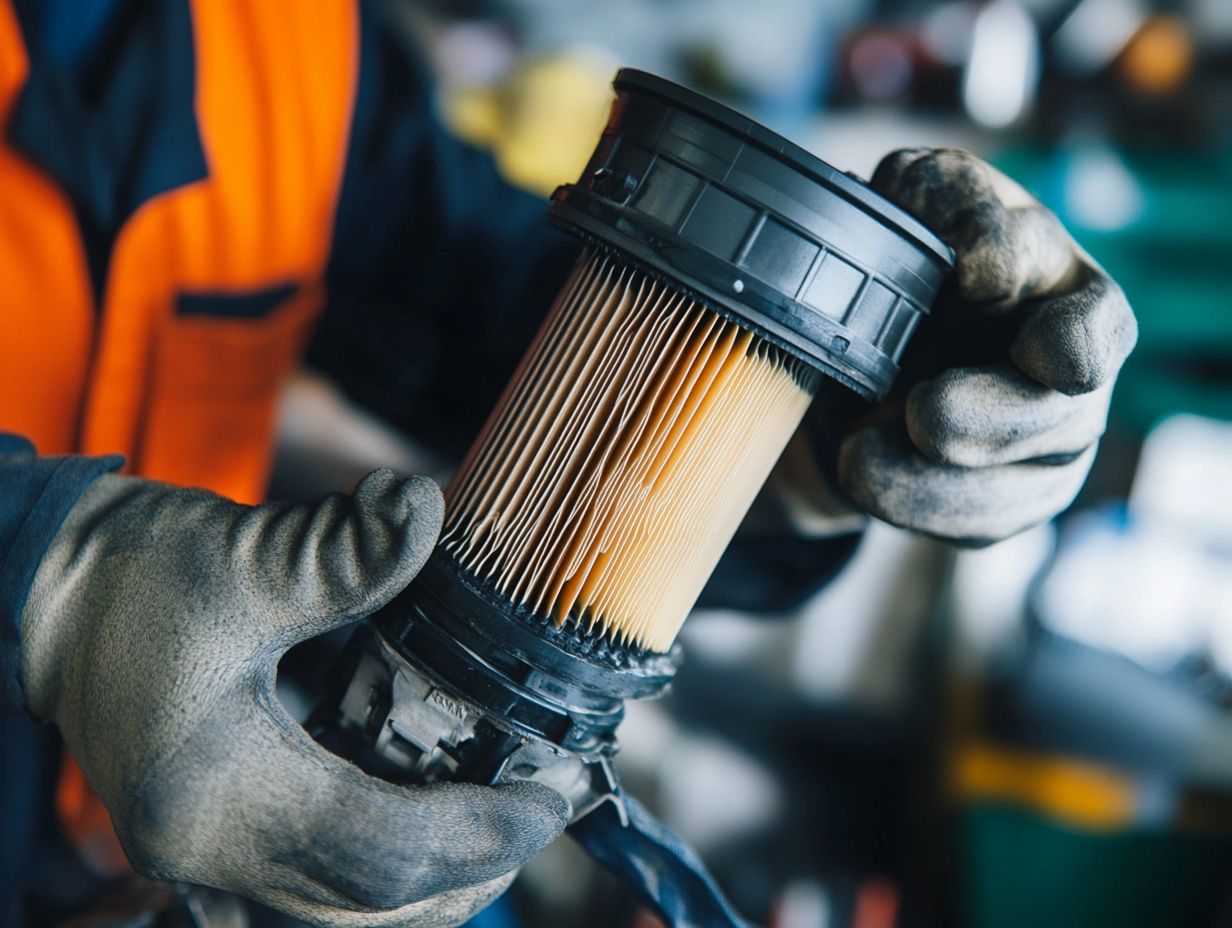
x,y
622,457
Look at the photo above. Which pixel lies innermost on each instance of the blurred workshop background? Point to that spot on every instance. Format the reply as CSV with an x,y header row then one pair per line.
x,y
1037,733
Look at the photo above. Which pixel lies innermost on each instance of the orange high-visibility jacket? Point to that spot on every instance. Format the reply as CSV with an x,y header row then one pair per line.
x,y
195,192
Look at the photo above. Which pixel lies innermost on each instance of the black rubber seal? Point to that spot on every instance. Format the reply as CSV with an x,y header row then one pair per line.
x,y
527,674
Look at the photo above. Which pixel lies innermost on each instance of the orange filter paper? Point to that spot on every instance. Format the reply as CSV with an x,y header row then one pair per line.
x,y
623,456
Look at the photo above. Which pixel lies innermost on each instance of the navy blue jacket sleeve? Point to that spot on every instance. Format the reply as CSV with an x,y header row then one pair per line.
x,y
35,496
440,271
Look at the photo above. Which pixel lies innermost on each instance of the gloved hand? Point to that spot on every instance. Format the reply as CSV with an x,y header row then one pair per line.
x,y
151,638
1012,374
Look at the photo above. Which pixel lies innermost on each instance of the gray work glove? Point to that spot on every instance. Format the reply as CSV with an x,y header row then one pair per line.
x,y
151,638
1007,390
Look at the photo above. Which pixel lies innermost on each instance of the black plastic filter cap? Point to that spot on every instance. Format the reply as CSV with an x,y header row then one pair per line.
x,y
789,246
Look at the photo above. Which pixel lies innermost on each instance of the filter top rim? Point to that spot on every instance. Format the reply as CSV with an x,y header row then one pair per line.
x,y
809,257
846,183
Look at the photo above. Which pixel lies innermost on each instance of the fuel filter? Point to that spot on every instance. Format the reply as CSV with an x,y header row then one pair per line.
x,y
724,276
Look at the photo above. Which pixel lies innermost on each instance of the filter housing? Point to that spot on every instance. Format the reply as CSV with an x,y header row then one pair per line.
x,y
459,679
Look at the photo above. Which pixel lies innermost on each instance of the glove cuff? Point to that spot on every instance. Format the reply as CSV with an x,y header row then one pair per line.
x,y
52,617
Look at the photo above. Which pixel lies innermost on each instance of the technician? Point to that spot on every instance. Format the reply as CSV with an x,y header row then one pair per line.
x,y
196,196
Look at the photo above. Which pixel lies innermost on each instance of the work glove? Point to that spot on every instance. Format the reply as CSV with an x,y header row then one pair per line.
x,y
151,638
1005,391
